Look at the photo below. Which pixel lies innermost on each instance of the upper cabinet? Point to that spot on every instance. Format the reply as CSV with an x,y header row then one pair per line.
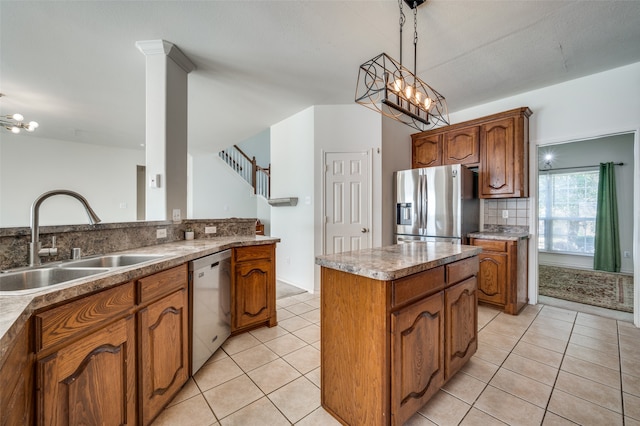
x,y
426,150
497,144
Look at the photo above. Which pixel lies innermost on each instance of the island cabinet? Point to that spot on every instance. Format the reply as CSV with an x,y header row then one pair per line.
x,y
502,281
114,357
253,287
387,346
498,145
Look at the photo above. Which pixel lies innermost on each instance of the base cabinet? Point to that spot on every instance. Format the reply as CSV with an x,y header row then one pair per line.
x,y
164,356
253,288
116,357
91,381
502,280
388,346
16,381
417,373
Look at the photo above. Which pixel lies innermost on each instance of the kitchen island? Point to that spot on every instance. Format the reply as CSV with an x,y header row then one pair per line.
x,y
397,323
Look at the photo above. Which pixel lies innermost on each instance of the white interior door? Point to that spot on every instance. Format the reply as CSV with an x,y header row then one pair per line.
x,y
347,201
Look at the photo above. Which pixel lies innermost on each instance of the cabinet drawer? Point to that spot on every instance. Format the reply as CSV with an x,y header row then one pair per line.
x,y
65,322
493,245
417,285
253,252
162,283
462,269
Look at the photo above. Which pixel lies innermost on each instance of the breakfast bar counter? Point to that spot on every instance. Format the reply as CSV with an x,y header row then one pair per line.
x,y
397,323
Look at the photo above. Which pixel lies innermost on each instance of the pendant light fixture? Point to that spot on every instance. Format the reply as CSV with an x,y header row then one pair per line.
x,y
386,86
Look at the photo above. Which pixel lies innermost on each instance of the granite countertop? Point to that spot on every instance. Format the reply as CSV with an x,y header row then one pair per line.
x,y
397,261
16,308
500,235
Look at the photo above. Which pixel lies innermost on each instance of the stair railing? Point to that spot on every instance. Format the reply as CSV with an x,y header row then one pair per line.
x,y
258,177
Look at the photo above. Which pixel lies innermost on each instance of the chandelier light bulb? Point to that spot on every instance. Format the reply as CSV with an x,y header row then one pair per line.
x,y
17,117
397,85
32,126
428,103
15,129
408,91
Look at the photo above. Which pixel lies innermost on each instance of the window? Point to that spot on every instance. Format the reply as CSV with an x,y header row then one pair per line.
x,y
567,211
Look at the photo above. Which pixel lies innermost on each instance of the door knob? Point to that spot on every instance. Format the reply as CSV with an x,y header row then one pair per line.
x,y
364,230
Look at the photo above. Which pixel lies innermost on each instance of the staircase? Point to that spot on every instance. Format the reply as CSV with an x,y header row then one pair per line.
x,y
258,177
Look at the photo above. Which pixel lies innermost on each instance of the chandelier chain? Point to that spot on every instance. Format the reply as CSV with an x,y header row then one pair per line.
x,y
415,38
401,22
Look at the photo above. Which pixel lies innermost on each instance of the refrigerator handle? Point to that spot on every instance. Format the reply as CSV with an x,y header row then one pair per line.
x,y
424,202
419,204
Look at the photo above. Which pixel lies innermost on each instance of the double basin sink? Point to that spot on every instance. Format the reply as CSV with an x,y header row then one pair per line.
x,y
33,279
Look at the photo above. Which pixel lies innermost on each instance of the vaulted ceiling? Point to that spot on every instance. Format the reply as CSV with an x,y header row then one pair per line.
x,y
74,66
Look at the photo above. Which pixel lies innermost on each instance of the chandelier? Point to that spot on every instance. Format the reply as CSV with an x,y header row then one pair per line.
x,y
386,86
14,123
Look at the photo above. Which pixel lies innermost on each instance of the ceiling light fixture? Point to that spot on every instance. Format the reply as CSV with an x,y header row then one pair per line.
x,y
383,81
14,123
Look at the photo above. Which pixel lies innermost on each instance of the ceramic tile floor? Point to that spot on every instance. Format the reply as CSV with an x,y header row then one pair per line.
x,y
548,365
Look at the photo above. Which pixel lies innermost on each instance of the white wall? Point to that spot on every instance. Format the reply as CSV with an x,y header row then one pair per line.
x,y
618,149
258,146
292,175
30,166
600,104
218,191
396,155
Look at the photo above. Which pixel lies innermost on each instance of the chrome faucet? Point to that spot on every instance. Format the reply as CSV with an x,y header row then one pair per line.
x,y
35,246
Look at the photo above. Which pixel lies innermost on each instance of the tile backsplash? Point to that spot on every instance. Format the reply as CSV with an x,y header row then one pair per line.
x,y
517,212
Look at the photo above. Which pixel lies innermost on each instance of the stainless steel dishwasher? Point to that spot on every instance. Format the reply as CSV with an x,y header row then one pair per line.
x,y
210,282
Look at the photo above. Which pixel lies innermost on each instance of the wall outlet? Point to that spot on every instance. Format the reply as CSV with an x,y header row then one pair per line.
x,y
505,214
176,215
161,233
210,229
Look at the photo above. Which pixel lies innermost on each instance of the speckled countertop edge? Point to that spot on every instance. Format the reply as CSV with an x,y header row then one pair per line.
x,y
509,236
15,309
397,261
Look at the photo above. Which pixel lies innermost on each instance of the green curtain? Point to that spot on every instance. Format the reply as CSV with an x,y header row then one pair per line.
x,y
607,242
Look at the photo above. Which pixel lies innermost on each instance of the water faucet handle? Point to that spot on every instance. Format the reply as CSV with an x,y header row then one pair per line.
x,y
49,251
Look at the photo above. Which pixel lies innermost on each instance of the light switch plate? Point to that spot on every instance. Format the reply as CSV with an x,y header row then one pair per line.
x,y
505,214
176,215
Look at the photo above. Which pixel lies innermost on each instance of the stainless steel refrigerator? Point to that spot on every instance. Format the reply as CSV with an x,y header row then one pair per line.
x,y
436,204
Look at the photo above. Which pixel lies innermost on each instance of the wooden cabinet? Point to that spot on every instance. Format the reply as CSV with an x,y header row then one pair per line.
x,y
163,340
92,357
462,146
386,346
497,144
504,168
426,150
16,381
461,311
417,355
502,280
253,287
91,380
86,352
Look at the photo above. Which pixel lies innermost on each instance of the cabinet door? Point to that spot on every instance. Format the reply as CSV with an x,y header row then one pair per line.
x,y
164,352
417,356
91,381
252,293
426,151
492,279
498,171
462,146
461,304
16,381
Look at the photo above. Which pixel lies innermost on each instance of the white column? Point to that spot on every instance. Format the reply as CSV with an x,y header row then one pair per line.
x,y
166,128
